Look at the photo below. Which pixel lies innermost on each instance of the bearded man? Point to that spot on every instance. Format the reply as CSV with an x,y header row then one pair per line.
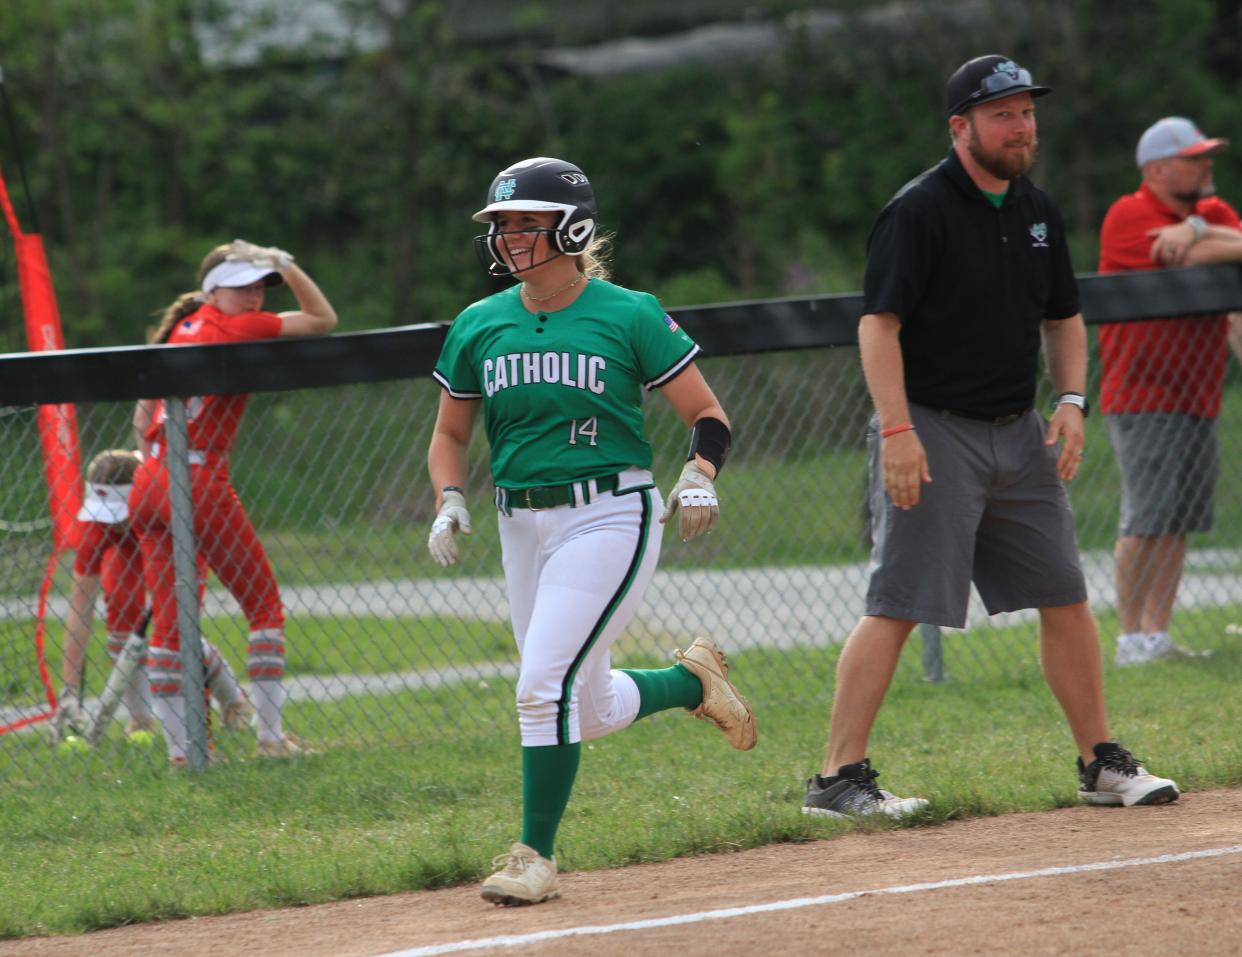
x,y
967,270
1162,381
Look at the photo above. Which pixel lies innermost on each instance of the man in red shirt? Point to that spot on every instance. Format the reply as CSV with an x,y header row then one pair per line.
x,y
1162,379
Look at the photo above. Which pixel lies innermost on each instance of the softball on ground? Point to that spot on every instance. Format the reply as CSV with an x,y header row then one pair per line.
x,y
72,744
141,739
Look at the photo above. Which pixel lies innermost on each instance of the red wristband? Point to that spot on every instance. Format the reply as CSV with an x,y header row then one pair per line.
x,y
893,430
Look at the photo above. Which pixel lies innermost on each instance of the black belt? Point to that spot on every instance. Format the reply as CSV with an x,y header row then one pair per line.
x,y
552,496
990,419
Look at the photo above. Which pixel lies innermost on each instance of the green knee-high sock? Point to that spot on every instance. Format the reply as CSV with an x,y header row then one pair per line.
x,y
547,779
662,688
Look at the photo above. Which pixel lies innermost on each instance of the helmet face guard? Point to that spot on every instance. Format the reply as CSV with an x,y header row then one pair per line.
x,y
542,184
492,245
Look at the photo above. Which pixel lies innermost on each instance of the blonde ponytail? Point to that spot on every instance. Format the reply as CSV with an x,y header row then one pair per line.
x,y
593,262
188,302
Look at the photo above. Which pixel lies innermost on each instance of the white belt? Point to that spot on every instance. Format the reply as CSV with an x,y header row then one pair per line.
x,y
194,456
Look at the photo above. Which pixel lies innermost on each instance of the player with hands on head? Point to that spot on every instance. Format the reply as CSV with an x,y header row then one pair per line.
x,y
227,307
557,365
968,273
1162,380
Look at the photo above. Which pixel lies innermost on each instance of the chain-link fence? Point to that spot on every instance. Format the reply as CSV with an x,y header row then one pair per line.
x,y
385,647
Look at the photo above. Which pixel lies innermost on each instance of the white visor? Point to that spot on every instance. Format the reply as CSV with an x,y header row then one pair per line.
x,y
108,504
484,215
232,274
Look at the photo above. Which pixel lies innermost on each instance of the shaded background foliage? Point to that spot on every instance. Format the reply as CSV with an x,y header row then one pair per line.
x,y
362,133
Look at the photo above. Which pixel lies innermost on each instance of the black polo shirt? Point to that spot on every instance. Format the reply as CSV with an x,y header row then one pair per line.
x,y
971,284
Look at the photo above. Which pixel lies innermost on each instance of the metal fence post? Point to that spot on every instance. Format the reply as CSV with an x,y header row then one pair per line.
x,y
933,653
185,563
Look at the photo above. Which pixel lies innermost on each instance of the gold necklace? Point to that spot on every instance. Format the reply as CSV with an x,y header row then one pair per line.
x,y
569,285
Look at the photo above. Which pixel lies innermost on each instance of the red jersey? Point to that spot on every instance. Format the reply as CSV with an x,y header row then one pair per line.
x,y
1159,365
97,539
213,420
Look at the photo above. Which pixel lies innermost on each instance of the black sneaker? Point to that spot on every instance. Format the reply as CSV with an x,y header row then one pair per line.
x,y
1116,777
852,792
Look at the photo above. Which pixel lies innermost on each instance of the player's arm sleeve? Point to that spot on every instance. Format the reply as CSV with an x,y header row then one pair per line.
x,y
456,370
254,325
662,349
900,257
1063,299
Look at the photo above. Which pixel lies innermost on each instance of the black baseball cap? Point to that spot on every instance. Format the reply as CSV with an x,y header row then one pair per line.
x,y
987,78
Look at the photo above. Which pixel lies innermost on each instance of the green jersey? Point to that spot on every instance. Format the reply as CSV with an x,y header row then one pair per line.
x,y
562,391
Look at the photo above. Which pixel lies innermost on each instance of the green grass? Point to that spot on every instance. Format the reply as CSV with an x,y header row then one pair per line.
x,y
117,837
362,645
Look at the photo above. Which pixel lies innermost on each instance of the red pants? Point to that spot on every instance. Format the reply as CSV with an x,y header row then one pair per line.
x,y
226,540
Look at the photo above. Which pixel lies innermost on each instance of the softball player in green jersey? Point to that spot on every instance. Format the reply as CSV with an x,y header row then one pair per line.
x,y
559,364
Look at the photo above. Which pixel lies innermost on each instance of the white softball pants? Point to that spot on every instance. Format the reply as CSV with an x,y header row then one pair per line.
x,y
576,576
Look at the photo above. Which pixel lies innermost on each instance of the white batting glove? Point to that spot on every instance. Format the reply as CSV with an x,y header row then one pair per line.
x,y
451,517
275,255
241,251
70,718
262,256
695,495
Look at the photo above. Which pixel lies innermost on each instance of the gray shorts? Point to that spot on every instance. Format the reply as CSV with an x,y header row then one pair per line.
x,y
1169,462
995,513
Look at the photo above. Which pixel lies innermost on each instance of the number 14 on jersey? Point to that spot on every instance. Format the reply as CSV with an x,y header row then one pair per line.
x,y
583,428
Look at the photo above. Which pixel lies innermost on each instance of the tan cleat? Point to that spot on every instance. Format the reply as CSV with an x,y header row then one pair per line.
x,y
284,747
721,705
524,878
238,714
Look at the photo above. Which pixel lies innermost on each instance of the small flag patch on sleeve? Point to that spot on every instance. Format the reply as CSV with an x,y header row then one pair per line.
x,y
670,322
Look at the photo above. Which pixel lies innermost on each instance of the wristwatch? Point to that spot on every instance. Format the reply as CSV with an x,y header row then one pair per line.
x,y
1198,224
1075,398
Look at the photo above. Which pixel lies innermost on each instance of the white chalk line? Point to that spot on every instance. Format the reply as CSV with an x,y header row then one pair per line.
x,y
518,940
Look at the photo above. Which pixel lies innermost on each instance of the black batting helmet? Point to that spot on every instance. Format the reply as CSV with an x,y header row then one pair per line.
x,y
540,184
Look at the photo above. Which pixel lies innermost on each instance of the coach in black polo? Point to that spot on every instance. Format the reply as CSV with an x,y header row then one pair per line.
x,y
967,272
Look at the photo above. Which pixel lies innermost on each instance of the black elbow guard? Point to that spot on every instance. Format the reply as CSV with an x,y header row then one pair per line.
x,y
711,439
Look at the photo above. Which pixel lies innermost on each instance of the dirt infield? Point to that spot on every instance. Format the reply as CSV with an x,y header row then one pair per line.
x,y
858,893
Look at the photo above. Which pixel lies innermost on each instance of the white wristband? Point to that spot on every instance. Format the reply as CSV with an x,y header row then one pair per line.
x,y
1074,398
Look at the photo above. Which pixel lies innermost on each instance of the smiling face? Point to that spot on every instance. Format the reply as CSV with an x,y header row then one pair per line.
x,y
233,300
523,240
1000,136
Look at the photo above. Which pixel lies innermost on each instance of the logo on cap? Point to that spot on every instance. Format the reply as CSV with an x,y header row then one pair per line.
x,y
1009,68
505,189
